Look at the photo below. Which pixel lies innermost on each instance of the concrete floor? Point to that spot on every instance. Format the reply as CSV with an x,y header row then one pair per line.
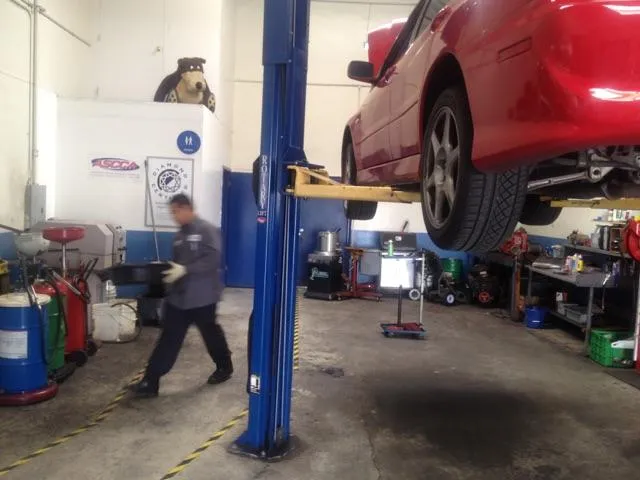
x,y
482,398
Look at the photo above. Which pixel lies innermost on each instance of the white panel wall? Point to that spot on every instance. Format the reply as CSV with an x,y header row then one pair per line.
x,y
63,66
569,220
131,131
391,217
140,42
338,33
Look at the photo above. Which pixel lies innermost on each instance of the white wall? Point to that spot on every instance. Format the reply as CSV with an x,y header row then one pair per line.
x,y
132,131
338,33
140,42
63,63
581,219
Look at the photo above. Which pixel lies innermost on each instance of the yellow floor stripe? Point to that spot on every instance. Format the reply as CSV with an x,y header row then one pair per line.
x,y
296,334
99,418
194,455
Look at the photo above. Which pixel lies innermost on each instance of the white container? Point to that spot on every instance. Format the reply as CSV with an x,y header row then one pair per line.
x,y
397,272
115,321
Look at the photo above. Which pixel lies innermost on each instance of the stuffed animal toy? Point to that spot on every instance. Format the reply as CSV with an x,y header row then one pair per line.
x,y
187,85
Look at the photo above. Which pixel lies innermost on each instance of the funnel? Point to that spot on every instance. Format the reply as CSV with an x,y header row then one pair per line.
x,y
63,235
30,244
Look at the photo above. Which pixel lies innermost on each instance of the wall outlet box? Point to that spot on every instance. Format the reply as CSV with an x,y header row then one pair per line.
x,y
36,204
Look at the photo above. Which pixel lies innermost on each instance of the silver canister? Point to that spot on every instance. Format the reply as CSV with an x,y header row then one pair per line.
x,y
327,243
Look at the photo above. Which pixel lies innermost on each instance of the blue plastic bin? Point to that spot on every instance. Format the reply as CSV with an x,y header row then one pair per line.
x,y
535,316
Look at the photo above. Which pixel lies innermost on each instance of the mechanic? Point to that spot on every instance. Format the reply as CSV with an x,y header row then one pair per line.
x,y
194,283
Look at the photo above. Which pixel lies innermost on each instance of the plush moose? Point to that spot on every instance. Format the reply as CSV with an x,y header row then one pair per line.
x,y
187,85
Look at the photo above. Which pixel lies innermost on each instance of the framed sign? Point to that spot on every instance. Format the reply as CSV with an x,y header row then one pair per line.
x,y
166,177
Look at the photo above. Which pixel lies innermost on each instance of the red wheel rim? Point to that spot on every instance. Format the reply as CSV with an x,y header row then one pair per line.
x,y
484,297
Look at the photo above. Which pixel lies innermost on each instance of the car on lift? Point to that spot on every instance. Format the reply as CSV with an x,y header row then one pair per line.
x,y
492,107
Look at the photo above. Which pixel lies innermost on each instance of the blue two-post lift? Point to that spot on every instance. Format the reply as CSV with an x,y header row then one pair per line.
x,y
285,54
281,176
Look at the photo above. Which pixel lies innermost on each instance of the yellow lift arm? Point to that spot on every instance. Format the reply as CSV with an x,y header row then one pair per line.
x,y
600,203
316,183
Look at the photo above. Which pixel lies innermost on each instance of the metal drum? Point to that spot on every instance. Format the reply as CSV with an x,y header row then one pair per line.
x,y
56,338
23,330
327,243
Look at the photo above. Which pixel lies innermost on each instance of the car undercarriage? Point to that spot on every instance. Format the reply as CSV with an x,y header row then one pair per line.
x,y
611,172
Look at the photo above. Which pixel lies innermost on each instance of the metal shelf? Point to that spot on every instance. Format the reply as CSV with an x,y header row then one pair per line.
x,y
582,280
597,251
555,313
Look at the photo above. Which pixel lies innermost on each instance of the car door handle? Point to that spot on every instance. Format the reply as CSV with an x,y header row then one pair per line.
x,y
440,17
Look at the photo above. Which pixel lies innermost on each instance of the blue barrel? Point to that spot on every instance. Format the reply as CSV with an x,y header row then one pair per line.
x,y
535,316
23,366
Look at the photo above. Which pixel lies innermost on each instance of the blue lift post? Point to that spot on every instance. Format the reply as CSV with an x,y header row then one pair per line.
x,y
285,54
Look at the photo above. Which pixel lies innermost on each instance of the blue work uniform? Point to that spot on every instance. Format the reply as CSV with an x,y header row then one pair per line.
x,y
197,246
193,299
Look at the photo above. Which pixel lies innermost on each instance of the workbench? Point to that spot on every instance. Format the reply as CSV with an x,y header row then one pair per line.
x,y
591,280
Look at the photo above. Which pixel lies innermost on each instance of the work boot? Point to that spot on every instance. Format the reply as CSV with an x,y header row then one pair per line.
x,y
145,388
222,373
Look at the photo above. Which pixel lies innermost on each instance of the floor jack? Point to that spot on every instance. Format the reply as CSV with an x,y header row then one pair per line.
x,y
366,291
412,329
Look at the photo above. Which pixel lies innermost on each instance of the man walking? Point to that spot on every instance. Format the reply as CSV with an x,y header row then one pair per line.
x,y
194,281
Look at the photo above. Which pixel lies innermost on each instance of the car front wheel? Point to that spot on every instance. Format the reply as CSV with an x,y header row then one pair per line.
x,y
464,209
354,210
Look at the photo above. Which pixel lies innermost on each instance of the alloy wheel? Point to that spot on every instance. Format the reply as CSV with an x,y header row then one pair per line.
x,y
441,168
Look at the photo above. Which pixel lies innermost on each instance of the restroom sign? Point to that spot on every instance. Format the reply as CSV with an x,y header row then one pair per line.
x,y
189,142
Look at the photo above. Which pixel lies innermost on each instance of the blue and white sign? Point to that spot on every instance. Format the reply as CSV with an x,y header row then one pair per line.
x,y
166,177
189,142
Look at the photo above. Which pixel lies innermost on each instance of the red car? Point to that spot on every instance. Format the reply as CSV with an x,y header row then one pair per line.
x,y
492,107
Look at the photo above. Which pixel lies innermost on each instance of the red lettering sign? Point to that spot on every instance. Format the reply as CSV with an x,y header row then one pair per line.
x,y
115,164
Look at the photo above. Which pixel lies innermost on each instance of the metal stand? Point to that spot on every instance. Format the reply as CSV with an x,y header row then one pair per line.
x,y
423,270
286,38
516,276
407,330
636,333
151,212
356,289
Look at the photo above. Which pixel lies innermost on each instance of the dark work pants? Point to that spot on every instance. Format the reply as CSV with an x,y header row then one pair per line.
x,y
176,323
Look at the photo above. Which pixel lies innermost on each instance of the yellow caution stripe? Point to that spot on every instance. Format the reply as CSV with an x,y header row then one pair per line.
x,y
296,335
193,456
99,418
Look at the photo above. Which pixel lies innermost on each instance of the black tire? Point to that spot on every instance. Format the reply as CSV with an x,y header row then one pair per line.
x,y
536,212
485,207
414,294
354,210
449,299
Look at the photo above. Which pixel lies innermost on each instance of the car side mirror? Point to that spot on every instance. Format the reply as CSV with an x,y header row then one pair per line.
x,y
361,71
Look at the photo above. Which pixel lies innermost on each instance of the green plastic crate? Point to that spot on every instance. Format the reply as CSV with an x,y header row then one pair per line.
x,y
601,351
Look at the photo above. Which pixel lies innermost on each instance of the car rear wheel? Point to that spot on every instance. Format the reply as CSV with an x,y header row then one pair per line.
x,y
536,212
354,210
464,209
